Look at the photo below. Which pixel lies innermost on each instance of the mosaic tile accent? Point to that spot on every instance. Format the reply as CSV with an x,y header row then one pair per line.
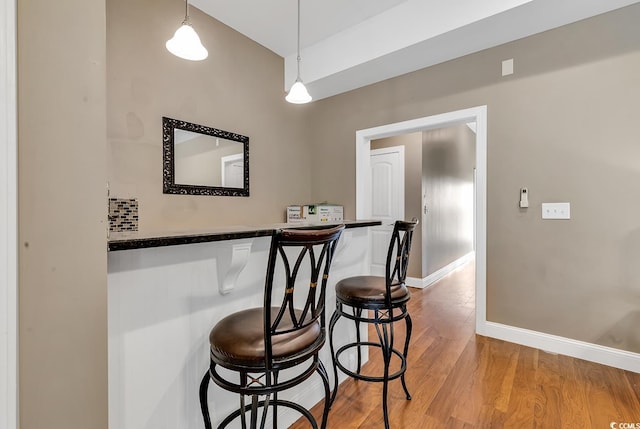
x,y
123,214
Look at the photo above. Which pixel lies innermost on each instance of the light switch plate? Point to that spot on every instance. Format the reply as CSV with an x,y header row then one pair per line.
x,y
556,211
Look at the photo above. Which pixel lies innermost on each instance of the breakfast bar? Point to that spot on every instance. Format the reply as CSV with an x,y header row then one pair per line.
x,y
165,292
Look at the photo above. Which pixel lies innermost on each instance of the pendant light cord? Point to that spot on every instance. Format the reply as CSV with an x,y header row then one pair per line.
x,y
298,94
186,11
298,77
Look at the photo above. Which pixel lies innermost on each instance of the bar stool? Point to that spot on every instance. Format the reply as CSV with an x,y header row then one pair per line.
x,y
258,343
380,301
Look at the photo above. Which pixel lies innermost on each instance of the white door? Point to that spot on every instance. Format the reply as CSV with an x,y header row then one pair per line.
x,y
233,171
387,202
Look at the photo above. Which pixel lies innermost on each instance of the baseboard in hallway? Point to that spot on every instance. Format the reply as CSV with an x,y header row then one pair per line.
x,y
437,275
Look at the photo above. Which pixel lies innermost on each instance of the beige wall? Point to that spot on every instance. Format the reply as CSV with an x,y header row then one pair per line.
x,y
412,143
565,126
238,88
62,215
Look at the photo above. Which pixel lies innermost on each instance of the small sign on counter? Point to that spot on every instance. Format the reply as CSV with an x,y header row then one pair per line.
x,y
315,213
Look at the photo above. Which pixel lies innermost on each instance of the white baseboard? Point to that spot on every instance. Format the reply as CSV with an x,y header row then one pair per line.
x,y
578,349
434,277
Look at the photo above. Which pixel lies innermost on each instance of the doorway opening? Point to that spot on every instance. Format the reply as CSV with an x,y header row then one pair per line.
x,y
364,186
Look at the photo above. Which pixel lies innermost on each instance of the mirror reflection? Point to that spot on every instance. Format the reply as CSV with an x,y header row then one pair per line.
x,y
201,160
205,160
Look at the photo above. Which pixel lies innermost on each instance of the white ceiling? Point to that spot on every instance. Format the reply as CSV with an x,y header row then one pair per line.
x,y
347,44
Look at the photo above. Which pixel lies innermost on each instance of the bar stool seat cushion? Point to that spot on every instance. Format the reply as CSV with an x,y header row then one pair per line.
x,y
238,339
369,290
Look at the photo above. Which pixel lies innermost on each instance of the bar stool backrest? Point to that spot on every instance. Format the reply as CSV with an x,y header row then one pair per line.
x,y
398,255
297,251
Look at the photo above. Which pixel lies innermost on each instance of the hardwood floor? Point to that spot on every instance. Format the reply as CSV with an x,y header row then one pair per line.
x,y
460,380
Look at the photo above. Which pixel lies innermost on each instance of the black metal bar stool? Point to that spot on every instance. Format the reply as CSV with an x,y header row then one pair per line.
x,y
380,301
258,343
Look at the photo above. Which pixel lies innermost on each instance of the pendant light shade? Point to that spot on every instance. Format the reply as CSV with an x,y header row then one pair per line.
x,y
298,93
185,43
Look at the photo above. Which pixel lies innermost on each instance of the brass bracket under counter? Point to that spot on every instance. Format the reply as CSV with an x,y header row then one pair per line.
x,y
239,256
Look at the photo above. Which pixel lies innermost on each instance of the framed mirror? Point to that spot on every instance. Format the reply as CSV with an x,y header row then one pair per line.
x,y
200,160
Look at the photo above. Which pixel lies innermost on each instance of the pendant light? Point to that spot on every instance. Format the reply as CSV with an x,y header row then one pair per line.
x,y
185,43
298,93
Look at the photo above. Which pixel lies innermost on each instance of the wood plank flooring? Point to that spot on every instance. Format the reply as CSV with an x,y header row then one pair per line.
x,y
460,380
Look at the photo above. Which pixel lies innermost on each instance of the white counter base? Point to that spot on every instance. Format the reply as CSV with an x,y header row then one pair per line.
x,y
163,301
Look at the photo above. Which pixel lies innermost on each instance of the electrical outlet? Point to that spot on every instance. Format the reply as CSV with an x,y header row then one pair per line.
x,y
556,211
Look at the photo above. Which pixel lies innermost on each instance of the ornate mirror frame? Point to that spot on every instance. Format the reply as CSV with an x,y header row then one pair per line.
x,y
170,186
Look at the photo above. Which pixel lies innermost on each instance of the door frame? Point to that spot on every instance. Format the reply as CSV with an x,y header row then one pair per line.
x,y
476,114
8,219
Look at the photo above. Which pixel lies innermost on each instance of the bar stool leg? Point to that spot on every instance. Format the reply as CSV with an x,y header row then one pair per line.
x,y
357,312
254,411
385,337
327,393
406,352
385,389
243,420
275,402
204,405
332,323
265,409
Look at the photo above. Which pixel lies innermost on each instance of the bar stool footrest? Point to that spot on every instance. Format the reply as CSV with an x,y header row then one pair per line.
x,y
279,403
355,375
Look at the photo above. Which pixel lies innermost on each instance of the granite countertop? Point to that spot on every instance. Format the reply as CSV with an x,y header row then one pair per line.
x,y
140,240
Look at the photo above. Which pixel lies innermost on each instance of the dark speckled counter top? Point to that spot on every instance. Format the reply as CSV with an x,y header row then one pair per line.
x,y
141,240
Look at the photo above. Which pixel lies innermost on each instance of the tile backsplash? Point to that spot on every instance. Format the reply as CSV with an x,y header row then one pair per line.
x,y
123,214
